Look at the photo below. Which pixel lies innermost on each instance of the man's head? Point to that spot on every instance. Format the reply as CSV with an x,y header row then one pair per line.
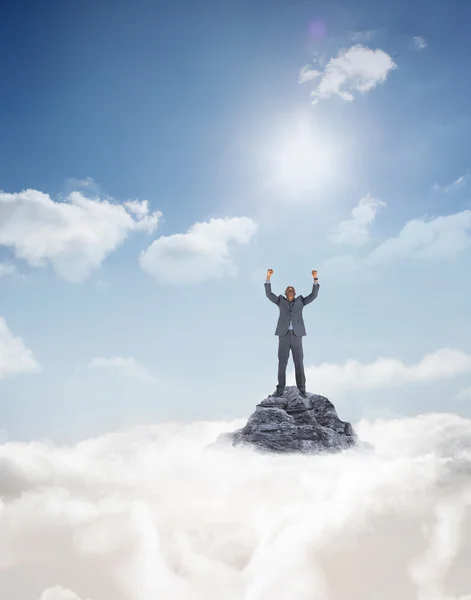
x,y
290,293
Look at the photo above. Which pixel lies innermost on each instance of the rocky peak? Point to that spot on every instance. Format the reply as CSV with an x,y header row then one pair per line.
x,y
291,423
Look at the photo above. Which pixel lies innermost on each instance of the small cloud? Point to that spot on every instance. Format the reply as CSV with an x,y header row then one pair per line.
x,y
419,42
451,187
308,74
201,254
15,356
358,69
127,366
464,394
362,36
87,184
355,231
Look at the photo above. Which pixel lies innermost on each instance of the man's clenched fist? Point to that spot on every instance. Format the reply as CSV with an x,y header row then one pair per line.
x,y
314,274
269,273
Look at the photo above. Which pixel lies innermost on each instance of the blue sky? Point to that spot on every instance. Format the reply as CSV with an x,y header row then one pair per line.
x,y
286,134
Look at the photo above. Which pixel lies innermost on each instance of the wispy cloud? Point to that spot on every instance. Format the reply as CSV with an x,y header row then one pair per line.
x,y
362,36
74,235
355,231
307,73
127,366
15,356
201,254
356,70
451,187
87,184
419,42
388,372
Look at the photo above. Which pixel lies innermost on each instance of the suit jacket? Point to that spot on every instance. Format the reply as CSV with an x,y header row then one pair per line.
x,y
291,311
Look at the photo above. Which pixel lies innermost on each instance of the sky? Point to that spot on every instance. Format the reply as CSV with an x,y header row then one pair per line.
x,y
158,158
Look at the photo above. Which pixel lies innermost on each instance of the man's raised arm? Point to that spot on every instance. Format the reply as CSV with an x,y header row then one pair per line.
x,y
270,295
315,290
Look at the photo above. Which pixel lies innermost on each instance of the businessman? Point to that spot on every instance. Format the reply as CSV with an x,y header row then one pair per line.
x,y
290,330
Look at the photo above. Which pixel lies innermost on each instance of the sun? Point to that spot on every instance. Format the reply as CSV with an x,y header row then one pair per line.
x,y
299,156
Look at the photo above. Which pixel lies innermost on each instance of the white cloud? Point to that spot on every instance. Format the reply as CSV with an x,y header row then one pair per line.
x,y
441,237
358,69
201,254
464,394
451,187
308,74
387,372
58,593
355,231
127,366
75,235
419,42
150,513
15,357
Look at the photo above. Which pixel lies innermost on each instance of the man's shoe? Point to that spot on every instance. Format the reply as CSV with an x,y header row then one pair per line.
x,y
278,392
302,393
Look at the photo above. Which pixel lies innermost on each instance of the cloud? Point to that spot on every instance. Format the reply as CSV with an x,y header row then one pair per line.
x,y
362,36
358,69
75,235
201,254
127,366
308,74
388,372
441,237
464,394
355,231
419,42
88,183
15,357
151,513
451,187
58,593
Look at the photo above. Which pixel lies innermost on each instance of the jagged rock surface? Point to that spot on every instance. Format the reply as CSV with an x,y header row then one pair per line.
x,y
291,423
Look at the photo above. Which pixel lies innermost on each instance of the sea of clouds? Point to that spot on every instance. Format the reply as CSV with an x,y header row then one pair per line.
x,y
152,514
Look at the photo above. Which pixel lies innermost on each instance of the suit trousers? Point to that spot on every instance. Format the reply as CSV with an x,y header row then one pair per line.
x,y
295,344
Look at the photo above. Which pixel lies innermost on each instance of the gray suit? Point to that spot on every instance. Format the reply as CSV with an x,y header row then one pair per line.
x,y
290,329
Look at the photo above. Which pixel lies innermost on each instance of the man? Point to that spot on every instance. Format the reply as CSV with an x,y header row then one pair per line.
x,y
290,330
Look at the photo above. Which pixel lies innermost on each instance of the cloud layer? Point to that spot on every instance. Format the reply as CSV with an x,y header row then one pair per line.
x,y
75,235
201,254
150,513
385,372
357,69
15,357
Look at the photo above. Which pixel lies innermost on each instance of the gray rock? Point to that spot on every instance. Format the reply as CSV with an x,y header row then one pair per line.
x,y
291,423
